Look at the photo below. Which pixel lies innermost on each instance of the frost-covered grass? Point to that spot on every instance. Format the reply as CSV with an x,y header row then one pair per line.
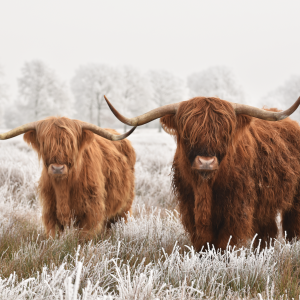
x,y
155,152
149,257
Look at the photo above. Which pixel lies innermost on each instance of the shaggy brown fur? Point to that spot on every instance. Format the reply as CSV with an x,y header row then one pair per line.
x,y
98,180
258,175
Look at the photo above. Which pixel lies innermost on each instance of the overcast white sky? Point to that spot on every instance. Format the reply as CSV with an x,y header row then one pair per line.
x,y
258,40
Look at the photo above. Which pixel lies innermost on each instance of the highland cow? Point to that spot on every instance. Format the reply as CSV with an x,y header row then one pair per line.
x,y
234,169
87,176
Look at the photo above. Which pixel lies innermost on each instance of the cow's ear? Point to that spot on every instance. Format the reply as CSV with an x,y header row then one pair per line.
x,y
87,138
30,138
168,123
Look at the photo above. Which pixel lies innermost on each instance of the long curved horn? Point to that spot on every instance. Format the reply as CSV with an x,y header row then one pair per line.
x,y
264,114
106,134
172,108
147,117
17,131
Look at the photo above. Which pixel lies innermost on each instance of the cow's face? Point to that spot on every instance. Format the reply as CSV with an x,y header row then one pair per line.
x,y
206,129
59,143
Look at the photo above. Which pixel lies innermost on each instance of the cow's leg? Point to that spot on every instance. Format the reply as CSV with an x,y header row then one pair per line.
x,y
186,205
199,228
88,227
49,218
265,229
224,239
52,225
236,227
291,219
203,238
127,207
265,225
123,214
89,209
48,203
62,195
233,202
236,232
204,234
92,222
191,212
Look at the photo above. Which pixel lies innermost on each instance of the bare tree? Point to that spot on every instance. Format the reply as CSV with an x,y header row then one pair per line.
x,y
41,93
89,84
167,88
136,92
3,97
216,81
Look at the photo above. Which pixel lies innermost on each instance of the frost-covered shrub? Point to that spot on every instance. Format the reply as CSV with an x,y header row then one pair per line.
x,y
19,173
163,227
155,152
152,170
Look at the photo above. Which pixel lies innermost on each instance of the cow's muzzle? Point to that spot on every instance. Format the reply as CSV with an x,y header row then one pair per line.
x,y
57,170
205,165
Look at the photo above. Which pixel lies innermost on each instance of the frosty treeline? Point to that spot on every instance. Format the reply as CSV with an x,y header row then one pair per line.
x,y
3,96
42,93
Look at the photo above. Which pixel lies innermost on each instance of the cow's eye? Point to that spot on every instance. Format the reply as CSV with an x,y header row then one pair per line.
x,y
186,142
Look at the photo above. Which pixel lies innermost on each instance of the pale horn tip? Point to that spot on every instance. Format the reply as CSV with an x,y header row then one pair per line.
x,y
125,135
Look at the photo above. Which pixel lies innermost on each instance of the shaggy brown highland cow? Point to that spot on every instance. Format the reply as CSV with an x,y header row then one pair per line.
x,y
88,173
234,169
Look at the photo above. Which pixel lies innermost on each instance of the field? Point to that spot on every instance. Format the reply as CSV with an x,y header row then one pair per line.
x,y
149,257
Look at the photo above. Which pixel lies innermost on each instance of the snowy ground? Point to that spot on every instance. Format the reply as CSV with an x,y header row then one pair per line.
x,y
150,257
